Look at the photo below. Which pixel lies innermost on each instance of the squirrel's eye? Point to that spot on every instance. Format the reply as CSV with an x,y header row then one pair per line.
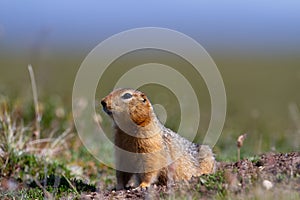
x,y
126,96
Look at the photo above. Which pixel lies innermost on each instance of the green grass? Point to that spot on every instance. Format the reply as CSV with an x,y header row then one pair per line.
x,y
39,173
263,101
215,182
30,162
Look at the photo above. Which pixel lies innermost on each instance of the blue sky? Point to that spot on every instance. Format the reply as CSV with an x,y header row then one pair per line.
x,y
236,24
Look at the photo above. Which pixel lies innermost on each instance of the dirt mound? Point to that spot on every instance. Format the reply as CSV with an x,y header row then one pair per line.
x,y
277,173
283,169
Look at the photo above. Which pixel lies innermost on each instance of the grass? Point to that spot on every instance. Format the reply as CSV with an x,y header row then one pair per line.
x,y
56,165
41,155
29,163
215,182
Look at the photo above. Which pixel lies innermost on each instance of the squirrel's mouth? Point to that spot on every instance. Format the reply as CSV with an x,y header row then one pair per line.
x,y
105,109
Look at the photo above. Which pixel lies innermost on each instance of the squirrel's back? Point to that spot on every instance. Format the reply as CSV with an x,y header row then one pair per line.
x,y
189,159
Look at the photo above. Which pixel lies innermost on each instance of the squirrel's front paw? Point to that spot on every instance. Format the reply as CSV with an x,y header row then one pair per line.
x,y
143,186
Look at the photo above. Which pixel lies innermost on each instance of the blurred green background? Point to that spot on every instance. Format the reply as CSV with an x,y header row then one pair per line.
x,y
256,47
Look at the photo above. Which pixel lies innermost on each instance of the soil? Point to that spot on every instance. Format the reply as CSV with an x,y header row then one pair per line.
x,y
267,172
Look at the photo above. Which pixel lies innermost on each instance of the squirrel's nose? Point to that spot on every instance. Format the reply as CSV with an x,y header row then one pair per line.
x,y
104,104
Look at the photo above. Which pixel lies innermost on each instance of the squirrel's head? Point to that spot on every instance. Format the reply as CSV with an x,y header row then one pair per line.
x,y
127,106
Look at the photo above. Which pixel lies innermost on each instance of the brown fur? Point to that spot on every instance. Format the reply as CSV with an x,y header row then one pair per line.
x,y
162,154
140,110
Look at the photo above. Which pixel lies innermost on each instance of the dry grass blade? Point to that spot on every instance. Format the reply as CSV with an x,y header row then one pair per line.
x,y
71,185
36,103
46,193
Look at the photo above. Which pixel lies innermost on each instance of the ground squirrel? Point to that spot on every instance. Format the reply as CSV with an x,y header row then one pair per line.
x,y
147,149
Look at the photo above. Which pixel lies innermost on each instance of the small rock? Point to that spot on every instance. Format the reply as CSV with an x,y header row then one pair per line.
x,y
267,184
9,184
